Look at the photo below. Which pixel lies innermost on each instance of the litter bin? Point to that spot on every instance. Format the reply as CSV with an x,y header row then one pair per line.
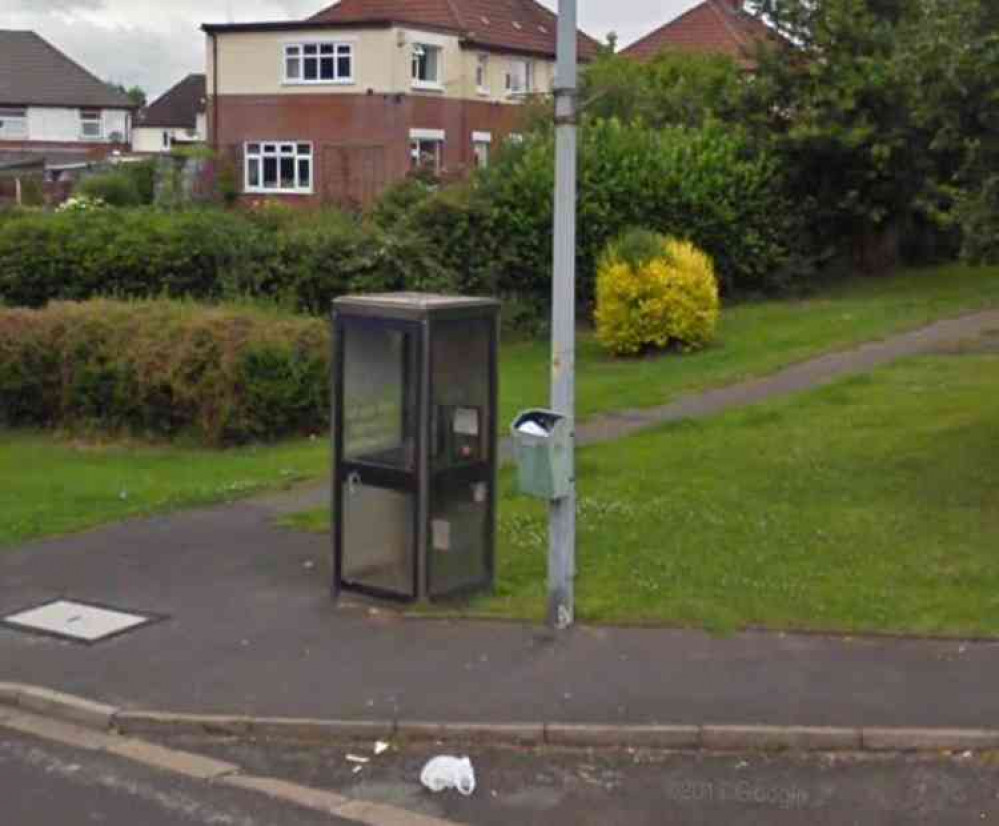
x,y
541,447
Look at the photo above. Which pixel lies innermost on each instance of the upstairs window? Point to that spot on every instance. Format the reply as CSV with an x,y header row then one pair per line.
x,y
279,168
482,75
91,124
13,122
427,64
319,63
520,77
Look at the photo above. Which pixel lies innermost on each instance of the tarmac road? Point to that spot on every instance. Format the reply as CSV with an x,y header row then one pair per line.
x,y
43,783
550,787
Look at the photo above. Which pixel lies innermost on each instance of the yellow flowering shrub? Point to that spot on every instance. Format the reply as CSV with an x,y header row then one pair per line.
x,y
655,299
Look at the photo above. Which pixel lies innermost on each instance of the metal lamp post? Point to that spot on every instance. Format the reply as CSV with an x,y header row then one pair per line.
x,y
562,516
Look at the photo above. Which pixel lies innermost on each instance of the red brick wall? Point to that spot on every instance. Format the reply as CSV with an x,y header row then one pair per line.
x,y
361,141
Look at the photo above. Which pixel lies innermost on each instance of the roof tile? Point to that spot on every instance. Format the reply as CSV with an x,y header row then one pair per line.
x,y
179,107
33,71
713,27
517,25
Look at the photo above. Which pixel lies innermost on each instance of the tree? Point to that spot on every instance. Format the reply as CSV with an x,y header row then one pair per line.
x,y
136,94
675,89
884,114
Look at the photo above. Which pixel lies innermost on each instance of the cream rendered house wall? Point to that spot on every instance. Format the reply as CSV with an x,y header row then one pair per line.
x,y
150,138
497,66
252,63
62,125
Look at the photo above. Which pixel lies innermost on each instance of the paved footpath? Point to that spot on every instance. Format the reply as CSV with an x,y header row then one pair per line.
x,y
250,629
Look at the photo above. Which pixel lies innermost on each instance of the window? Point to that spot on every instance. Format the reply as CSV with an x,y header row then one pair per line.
x,y
319,63
482,74
515,138
520,77
427,61
13,122
279,167
426,149
166,140
91,125
480,148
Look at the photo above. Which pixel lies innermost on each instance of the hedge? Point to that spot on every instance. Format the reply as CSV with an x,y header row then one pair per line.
x,y
705,185
222,375
491,236
305,259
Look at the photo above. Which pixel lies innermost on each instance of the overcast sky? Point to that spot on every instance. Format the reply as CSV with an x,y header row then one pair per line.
x,y
153,43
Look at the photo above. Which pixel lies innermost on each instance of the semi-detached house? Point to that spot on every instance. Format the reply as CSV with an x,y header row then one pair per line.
x,y
334,108
50,104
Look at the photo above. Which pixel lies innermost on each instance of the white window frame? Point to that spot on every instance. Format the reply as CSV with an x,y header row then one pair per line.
x,y
481,144
482,74
278,151
419,137
334,50
420,83
512,90
13,122
85,121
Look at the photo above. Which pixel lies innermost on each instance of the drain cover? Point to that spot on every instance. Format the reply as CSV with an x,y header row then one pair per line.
x,y
76,621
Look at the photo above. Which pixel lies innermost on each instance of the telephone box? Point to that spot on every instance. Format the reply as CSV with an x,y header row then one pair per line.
x,y
414,445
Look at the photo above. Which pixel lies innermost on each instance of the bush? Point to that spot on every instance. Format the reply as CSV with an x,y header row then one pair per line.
x,y
223,375
303,259
128,253
32,192
654,293
143,176
116,189
978,216
702,184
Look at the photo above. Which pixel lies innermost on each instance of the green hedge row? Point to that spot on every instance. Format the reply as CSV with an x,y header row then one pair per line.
x,y
703,185
306,259
223,375
489,236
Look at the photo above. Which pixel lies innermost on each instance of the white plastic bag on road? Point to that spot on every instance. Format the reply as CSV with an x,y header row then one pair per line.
x,y
446,772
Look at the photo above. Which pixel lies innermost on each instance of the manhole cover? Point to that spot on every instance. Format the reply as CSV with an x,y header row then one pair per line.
x,y
77,621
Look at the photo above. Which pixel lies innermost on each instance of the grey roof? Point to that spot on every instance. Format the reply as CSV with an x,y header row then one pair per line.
x,y
34,72
179,107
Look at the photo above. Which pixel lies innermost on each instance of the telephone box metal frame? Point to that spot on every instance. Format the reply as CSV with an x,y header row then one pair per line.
x,y
418,317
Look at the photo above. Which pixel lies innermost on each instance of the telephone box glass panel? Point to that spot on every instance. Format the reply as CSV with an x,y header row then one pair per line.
x,y
461,464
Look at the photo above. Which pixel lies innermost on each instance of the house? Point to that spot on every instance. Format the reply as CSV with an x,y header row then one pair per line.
x,y
176,118
711,27
51,105
336,107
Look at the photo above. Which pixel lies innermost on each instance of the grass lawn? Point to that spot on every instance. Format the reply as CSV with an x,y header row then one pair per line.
x,y
52,486
753,340
869,505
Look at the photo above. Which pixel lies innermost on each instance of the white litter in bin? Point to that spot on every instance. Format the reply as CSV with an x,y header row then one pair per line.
x,y
447,772
532,429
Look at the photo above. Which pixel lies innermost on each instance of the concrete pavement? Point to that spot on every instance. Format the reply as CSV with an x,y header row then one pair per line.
x,y
249,628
